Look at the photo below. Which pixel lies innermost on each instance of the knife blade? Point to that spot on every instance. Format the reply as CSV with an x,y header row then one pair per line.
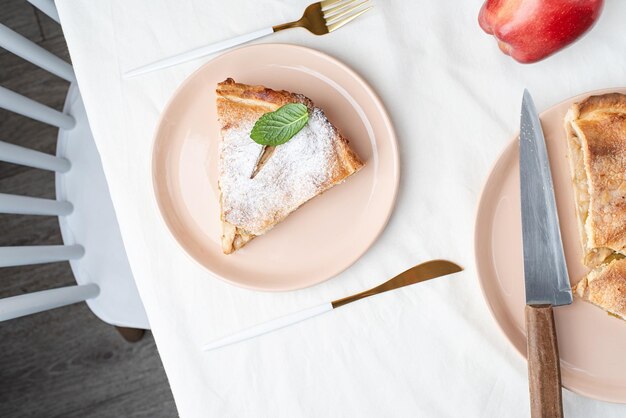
x,y
545,272
420,273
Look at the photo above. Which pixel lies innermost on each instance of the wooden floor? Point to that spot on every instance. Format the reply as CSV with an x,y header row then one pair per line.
x,y
65,362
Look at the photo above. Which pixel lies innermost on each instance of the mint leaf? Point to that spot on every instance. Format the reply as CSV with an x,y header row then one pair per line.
x,y
278,127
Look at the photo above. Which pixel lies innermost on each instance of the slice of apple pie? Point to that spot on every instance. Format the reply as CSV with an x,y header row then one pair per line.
x,y
258,189
596,138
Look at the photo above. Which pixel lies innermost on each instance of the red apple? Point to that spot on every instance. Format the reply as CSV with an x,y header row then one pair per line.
x,y
530,30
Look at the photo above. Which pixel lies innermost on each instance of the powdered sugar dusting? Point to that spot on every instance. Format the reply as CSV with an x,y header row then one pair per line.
x,y
296,172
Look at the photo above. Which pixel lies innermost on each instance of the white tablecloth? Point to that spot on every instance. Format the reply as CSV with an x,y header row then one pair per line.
x,y
429,350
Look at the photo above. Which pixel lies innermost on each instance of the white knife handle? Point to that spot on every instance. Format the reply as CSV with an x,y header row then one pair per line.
x,y
199,52
269,326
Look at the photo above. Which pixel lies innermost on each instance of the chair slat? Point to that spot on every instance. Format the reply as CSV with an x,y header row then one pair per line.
x,y
30,51
48,7
21,305
24,205
15,154
24,106
38,254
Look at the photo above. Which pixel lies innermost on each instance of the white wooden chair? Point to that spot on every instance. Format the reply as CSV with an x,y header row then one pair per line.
x,y
92,241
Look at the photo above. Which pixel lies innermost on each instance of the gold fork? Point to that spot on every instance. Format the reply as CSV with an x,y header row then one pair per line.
x,y
319,18
326,16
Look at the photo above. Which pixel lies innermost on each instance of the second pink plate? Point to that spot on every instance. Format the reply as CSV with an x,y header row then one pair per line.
x,y
324,236
591,343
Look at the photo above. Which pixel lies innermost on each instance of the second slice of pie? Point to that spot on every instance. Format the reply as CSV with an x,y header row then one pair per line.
x,y
596,137
317,158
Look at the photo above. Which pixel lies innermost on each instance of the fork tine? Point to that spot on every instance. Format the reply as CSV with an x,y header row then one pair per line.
x,y
326,4
349,19
337,7
337,16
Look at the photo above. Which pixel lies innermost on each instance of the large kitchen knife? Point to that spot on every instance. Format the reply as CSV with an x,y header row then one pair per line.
x,y
545,272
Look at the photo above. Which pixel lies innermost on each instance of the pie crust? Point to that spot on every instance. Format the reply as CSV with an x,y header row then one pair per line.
x,y
596,137
606,287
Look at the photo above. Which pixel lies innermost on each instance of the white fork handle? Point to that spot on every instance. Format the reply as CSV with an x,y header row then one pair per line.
x,y
269,326
199,52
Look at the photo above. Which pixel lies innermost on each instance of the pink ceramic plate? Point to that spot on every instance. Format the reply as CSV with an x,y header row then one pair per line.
x,y
321,238
591,343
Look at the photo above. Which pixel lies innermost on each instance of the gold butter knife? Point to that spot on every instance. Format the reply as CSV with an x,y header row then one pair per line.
x,y
420,273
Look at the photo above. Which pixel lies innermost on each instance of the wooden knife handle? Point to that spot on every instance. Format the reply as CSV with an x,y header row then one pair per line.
x,y
544,371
